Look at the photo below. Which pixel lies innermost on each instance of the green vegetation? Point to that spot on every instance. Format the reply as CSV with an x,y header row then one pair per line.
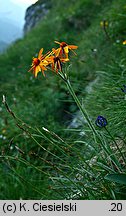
x,y
43,154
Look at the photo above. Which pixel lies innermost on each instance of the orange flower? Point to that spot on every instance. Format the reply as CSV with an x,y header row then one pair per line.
x,y
56,63
39,63
64,49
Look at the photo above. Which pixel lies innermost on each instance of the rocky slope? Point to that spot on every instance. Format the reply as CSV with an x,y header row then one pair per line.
x,y
35,13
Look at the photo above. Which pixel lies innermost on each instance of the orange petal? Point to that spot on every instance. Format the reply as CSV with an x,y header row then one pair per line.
x,y
35,73
37,70
43,68
40,53
43,73
64,60
58,52
72,47
31,68
57,42
66,49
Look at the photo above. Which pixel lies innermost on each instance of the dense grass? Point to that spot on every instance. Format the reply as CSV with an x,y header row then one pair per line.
x,y
71,164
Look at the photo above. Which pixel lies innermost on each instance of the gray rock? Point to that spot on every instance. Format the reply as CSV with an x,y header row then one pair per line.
x,y
35,13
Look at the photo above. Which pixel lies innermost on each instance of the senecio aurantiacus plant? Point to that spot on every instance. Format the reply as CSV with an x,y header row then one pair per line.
x,y
55,59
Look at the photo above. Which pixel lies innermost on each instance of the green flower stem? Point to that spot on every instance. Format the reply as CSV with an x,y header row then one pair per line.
x,y
106,33
81,108
85,116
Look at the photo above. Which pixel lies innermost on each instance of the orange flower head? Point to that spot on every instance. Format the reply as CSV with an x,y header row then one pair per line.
x,y
56,63
39,63
64,49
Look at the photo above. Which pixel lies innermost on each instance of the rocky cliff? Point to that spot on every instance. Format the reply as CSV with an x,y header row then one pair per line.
x,y
35,13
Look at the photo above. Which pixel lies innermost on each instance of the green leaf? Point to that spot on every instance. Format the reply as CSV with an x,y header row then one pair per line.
x,y
118,178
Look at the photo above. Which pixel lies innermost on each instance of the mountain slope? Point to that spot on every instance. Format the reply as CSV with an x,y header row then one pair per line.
x,y
11,21
9,31
3,46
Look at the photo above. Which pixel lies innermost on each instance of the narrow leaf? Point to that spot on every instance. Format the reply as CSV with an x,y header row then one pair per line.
x,y
118,178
